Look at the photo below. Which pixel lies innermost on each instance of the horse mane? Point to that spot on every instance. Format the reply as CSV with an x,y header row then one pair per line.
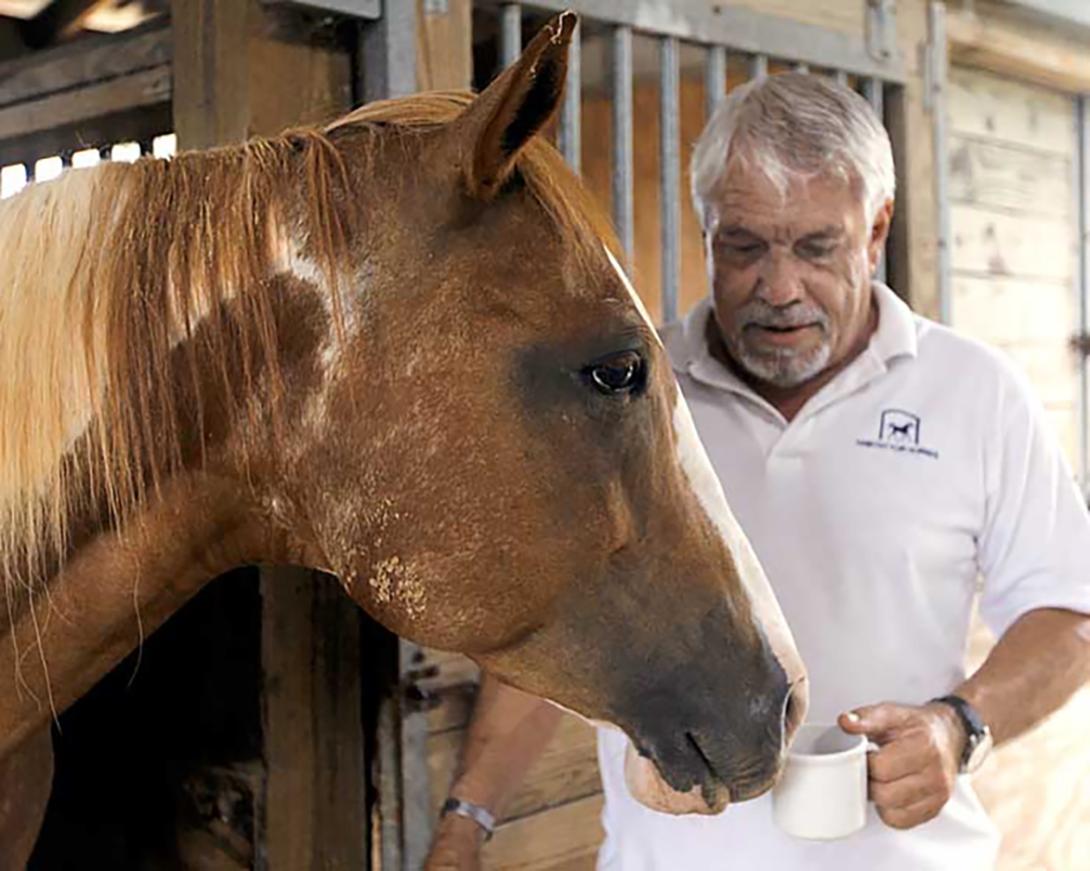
x,y
106,270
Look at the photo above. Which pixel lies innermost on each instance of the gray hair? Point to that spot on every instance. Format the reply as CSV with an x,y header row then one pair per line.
x,y
793,126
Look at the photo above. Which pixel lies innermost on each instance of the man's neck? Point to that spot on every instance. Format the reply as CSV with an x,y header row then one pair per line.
x,y
789,401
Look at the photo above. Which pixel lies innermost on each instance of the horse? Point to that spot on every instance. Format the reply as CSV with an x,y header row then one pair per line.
x,y
402,349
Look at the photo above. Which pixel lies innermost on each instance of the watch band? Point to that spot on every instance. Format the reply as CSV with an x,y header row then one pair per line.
x,y
481,816
975,728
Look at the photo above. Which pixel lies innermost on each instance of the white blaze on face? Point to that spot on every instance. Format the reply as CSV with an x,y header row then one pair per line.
x,y
698,469
640,307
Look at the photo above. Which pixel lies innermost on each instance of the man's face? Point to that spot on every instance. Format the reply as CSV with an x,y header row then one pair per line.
x,y
791,272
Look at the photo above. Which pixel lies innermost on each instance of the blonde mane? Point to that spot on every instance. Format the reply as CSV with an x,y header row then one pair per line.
x,y
105,271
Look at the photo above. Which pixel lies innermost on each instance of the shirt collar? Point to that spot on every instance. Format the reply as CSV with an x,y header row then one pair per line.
x,y
894,337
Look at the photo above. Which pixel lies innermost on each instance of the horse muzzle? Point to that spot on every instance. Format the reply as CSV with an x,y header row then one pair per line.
x,y
683,771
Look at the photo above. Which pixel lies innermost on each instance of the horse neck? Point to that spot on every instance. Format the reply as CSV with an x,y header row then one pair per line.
x,y
118,582
111,592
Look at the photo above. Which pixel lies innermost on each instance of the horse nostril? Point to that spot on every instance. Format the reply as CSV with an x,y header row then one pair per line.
x,y
794,709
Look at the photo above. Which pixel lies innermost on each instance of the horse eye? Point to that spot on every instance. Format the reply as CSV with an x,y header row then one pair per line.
x,y
620,373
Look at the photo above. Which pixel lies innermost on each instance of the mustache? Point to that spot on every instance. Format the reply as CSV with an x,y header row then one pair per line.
x,y
757,313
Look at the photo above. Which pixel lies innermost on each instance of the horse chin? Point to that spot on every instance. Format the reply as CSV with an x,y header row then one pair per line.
x,y
648,788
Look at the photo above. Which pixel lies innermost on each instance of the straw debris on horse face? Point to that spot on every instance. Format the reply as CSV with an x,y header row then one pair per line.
x,y
400,349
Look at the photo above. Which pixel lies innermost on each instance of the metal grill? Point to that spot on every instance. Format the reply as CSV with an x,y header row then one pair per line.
x,y
765,43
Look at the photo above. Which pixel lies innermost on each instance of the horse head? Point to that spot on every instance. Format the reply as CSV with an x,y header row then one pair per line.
x,y
495,458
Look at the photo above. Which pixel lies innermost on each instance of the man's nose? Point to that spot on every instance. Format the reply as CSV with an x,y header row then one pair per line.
x,y
779,282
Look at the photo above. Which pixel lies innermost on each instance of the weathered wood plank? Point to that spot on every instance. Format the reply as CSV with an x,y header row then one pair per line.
x,y
95,59
444,55
996,175
989,243
988,36
211,72
565,771
143,89
313,732
984,105
565,837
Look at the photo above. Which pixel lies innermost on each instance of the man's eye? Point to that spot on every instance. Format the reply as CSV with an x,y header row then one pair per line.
x,y
816,250
618,374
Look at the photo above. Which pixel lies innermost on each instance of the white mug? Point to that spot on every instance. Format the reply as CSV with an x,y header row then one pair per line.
x,y
822,794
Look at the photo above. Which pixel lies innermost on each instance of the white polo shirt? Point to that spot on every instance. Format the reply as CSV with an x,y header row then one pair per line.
x,y
920,467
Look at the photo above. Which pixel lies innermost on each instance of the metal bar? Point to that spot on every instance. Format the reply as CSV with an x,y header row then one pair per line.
x,y
388,53
715,78
802,68
510,34
1083,169
874,92
937,71
670,174
623,198
739,29
758,66
570,135
841,77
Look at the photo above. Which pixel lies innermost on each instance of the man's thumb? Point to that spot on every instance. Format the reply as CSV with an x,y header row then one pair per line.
x,y
871,719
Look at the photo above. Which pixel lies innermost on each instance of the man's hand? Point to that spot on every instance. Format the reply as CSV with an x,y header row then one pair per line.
x,y
912,775
456,846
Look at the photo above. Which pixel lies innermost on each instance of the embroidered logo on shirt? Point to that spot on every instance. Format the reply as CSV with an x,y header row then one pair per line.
x,y
898,431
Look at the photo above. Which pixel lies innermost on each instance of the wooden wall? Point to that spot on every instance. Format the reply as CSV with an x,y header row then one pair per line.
x,y
1015,236
1012,163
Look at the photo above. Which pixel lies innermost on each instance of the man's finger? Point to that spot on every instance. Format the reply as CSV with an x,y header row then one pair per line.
x,y
909,817
899,758
905,792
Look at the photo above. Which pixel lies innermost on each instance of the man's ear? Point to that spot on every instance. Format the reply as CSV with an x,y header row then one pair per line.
x,y
510,111
879,232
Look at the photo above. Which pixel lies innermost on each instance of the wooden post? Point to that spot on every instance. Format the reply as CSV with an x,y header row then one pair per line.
x,y
444,56
241,69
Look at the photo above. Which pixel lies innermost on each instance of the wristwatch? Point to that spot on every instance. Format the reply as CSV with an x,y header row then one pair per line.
x,y
481,816
978,743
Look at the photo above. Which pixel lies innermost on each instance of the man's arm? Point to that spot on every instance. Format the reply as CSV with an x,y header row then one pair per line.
x,y
1033,669
507,733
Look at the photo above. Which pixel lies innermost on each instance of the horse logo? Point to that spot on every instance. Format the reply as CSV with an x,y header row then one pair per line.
x,y
899,427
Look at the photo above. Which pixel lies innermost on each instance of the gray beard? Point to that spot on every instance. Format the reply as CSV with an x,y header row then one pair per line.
x,y
786,368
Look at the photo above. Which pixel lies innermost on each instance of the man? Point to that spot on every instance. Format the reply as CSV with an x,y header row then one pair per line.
x,y
880,464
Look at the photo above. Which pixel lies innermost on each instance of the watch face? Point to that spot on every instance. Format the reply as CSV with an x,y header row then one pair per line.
x,y
979,753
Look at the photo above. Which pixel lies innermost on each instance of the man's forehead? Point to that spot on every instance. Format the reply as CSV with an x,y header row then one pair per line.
x,y
748,198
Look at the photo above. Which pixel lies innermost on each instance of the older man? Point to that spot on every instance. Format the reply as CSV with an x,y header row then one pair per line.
x,y
880,464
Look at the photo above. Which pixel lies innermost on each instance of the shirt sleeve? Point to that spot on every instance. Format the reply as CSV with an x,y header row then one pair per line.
x,y
1034,548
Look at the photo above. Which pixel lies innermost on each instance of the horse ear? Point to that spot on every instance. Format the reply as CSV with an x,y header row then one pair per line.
x,y
516,106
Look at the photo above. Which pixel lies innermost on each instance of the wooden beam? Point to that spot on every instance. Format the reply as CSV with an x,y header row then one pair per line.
x,y
313,734
444,45
1014,47
95,59
146,88
211,84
